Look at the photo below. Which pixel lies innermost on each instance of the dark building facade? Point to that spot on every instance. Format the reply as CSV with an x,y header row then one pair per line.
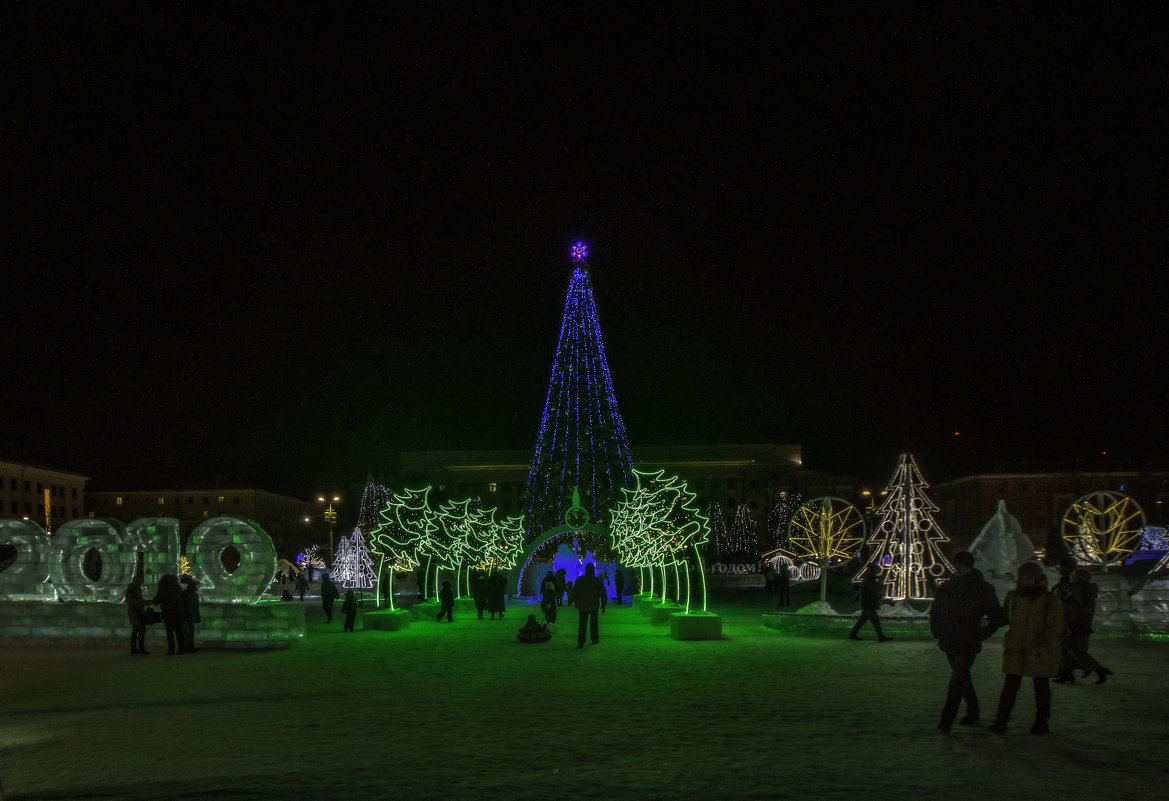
x,y
1038,500
44,495
292,524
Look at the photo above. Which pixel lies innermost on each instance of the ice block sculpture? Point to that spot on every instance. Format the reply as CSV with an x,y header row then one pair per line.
x,y
28,578
257,560
162,548
119,558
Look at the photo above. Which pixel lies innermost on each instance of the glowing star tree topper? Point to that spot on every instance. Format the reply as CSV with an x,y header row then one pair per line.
x,y
905,542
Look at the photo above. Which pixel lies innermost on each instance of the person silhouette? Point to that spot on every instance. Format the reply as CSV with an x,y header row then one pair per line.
x,y
871,597
588,595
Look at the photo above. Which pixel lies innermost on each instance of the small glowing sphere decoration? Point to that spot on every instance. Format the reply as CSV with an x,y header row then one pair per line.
x,y
579,251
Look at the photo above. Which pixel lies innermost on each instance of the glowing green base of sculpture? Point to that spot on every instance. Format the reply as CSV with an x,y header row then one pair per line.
x,y
660,613
637,601
386,620
696,626
428,610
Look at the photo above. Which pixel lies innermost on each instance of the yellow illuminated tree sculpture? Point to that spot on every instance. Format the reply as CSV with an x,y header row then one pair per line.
x,y
827,530
1102,528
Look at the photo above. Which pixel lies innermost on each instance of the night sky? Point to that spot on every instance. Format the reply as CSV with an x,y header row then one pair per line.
x,y
272,245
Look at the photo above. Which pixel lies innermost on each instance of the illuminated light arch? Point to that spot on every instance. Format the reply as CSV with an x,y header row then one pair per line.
x,y
559,534
1102,528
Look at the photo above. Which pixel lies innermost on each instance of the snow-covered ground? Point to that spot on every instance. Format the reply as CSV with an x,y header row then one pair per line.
x,y
463,711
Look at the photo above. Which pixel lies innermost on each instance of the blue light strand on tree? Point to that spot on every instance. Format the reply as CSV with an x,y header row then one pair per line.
x,y
582,441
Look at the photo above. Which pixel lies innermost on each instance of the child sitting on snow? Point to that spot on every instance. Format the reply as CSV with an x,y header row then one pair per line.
x,y
534,632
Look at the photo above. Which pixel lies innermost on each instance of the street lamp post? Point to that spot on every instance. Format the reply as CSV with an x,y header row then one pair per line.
x,y
330,516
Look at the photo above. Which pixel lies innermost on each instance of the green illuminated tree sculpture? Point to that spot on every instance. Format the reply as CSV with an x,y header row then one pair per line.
x,y
406,521
581,442
447,544
491,543
658,525
905,542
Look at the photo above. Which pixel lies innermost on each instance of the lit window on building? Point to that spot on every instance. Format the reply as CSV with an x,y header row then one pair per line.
x,y
491,487
117,501
220,499
161,500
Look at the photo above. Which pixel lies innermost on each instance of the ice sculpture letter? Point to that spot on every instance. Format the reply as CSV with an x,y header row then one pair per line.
x,y
161,546
257,560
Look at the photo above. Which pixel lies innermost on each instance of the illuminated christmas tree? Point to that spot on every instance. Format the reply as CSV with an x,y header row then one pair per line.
x,y
342,562
717,547
904,543
779,515
742,542
373,498
353,568
581,443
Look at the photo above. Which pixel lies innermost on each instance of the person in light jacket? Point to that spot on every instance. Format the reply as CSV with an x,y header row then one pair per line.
x,y
1030,646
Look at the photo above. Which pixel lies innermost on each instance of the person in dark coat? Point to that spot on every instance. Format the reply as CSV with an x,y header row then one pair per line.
x,y
136,612
548,597
170,602
496,594
349,609
479,591
589,593
446,601
1079,609
301,584
965,612
871,597
783,583
619,580
561,583
329,596
191,614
